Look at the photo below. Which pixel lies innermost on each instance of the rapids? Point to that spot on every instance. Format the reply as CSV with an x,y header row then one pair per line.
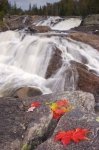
x,y
58,23
24,60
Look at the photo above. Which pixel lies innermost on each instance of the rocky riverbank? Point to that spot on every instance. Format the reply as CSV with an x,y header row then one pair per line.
x,y
89,24
22,130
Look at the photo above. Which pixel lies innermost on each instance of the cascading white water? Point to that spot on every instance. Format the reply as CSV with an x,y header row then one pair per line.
x,y
24,60
60,24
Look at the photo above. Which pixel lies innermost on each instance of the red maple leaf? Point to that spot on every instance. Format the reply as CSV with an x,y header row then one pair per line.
x,y
76,135
35,104
60,135
56,116
62,102
58,113
79,134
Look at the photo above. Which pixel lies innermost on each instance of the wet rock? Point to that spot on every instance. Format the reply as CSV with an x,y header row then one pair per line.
x,y
55,62
17,22
75,119
90,29
90,39
39,29
87,81
18,127
25,92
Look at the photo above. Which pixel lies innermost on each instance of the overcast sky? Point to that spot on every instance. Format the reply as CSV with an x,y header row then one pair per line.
x,y
25,3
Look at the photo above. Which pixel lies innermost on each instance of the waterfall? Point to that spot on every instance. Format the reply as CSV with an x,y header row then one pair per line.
x,y
24,60
58,23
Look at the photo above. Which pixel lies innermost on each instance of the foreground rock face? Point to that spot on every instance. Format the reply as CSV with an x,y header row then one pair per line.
x,y
19,126
73,120
20,129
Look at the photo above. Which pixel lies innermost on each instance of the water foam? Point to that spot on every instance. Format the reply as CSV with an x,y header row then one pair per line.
x,y
24,60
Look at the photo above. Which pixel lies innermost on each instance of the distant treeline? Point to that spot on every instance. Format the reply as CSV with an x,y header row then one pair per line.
x,y
62,8
67,7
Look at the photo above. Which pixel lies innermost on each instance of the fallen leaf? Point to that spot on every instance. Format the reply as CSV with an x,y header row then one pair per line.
x,y
62,103
60,135
35,104
76,135
60,107
79,134
53,106
31,109
56,116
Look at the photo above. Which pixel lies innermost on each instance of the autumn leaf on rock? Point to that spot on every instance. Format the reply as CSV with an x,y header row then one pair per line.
x,y
76,135
33,106
80,134
60,107
62,103
60,135
31,109
53,106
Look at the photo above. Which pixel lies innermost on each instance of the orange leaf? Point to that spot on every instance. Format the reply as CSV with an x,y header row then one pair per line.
x,y
53,106
59,108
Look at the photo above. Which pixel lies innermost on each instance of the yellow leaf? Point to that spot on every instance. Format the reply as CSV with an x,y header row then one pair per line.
x,y
53,106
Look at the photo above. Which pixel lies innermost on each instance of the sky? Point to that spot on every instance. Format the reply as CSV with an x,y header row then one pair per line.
x,y
25,3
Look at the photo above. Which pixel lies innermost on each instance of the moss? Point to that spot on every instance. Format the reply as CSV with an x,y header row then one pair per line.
x,y
26,147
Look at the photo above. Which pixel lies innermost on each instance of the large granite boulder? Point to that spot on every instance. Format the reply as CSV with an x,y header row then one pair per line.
x,y
87,80
18,127
75,119
55,62
22,130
